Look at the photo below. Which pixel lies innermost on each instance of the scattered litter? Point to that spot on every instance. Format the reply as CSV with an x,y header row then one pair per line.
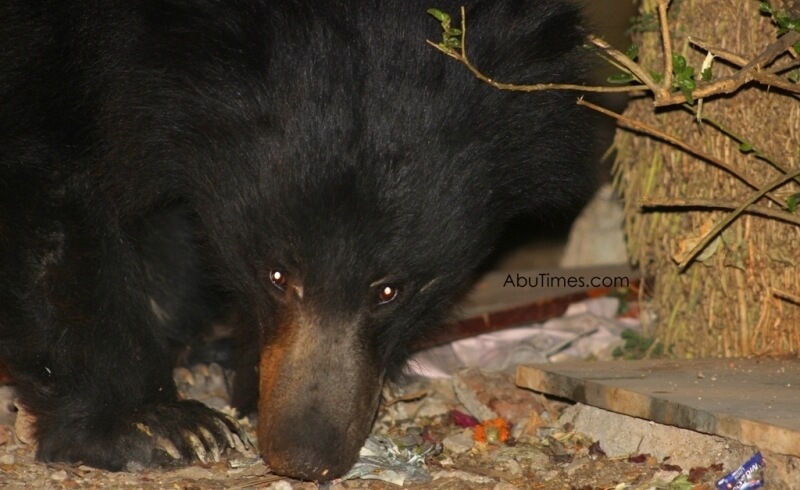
x,y
749,476
462,419
396,460
589,328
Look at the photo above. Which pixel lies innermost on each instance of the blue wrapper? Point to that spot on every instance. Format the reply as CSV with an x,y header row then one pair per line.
x,y
749,476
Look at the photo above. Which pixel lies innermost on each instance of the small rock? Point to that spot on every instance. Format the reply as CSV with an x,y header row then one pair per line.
x,y
280,485
531,424
665,476
504,485
60,475
469,398
538,460
461,475
446,462
7,459
248,467
134,467
513,467
488,395
459,442
518,430
576,465
433,407
193,472
548,475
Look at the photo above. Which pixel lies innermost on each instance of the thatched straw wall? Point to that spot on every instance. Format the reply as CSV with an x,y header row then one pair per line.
x,y
741,297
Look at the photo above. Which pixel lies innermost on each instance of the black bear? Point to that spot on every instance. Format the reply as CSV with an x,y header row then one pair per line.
x,y
312,166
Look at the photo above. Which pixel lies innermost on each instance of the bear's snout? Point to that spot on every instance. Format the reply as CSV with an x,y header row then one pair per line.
x,y
318,398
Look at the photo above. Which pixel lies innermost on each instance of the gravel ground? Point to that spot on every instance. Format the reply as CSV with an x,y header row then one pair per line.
x,y
539,453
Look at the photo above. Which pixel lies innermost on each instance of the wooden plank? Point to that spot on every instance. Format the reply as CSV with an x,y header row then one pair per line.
x,y
754,401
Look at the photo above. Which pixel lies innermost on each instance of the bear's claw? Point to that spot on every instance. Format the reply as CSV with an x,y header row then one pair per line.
x,y
246,442
165,434
168,447
210,443
197,446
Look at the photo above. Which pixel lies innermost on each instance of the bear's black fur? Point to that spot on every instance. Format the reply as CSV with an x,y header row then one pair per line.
x,y
337,179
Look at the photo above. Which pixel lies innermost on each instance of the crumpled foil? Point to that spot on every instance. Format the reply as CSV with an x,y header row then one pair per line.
x,y
394,459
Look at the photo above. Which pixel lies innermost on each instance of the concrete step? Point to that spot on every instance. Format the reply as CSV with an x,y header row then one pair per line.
x,y
753,401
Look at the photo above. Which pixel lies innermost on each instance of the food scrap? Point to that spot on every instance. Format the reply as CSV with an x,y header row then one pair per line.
x,y
492,431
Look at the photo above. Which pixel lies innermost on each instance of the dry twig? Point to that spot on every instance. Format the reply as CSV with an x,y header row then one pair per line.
x,y
666,41
663,93
754,209
461,56
640,127
733,215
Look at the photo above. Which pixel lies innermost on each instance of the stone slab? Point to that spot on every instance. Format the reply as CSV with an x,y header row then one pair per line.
x,y
754,401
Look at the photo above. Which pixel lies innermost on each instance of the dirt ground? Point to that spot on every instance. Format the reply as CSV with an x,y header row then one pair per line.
x,y
424,416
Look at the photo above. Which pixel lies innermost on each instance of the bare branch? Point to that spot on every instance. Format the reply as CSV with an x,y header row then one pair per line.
x,y
630,65
772,51
667,42
461,55
662,93
765,77
733,215
649,203
640,127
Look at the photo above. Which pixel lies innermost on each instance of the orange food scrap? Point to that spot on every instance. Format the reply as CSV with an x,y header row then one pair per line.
x,y
492,431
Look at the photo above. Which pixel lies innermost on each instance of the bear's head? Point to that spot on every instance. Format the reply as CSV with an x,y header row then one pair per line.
x,y
356,263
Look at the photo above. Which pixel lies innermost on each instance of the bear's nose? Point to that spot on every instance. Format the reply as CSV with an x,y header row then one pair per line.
x,y
311,449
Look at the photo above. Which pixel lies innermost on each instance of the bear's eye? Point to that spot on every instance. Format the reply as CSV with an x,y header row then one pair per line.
x,y
387,294
278,279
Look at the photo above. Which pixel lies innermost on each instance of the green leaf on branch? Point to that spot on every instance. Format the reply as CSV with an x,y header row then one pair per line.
x,y
683,77
632,52
440,16
678,63
782,19
687,87
620,78
451,36
792,202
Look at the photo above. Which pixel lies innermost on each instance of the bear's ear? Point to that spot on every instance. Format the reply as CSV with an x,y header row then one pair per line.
x,y
540,147
519,41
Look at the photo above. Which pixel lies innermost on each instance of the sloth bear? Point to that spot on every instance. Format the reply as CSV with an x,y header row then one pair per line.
x,y
311,171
